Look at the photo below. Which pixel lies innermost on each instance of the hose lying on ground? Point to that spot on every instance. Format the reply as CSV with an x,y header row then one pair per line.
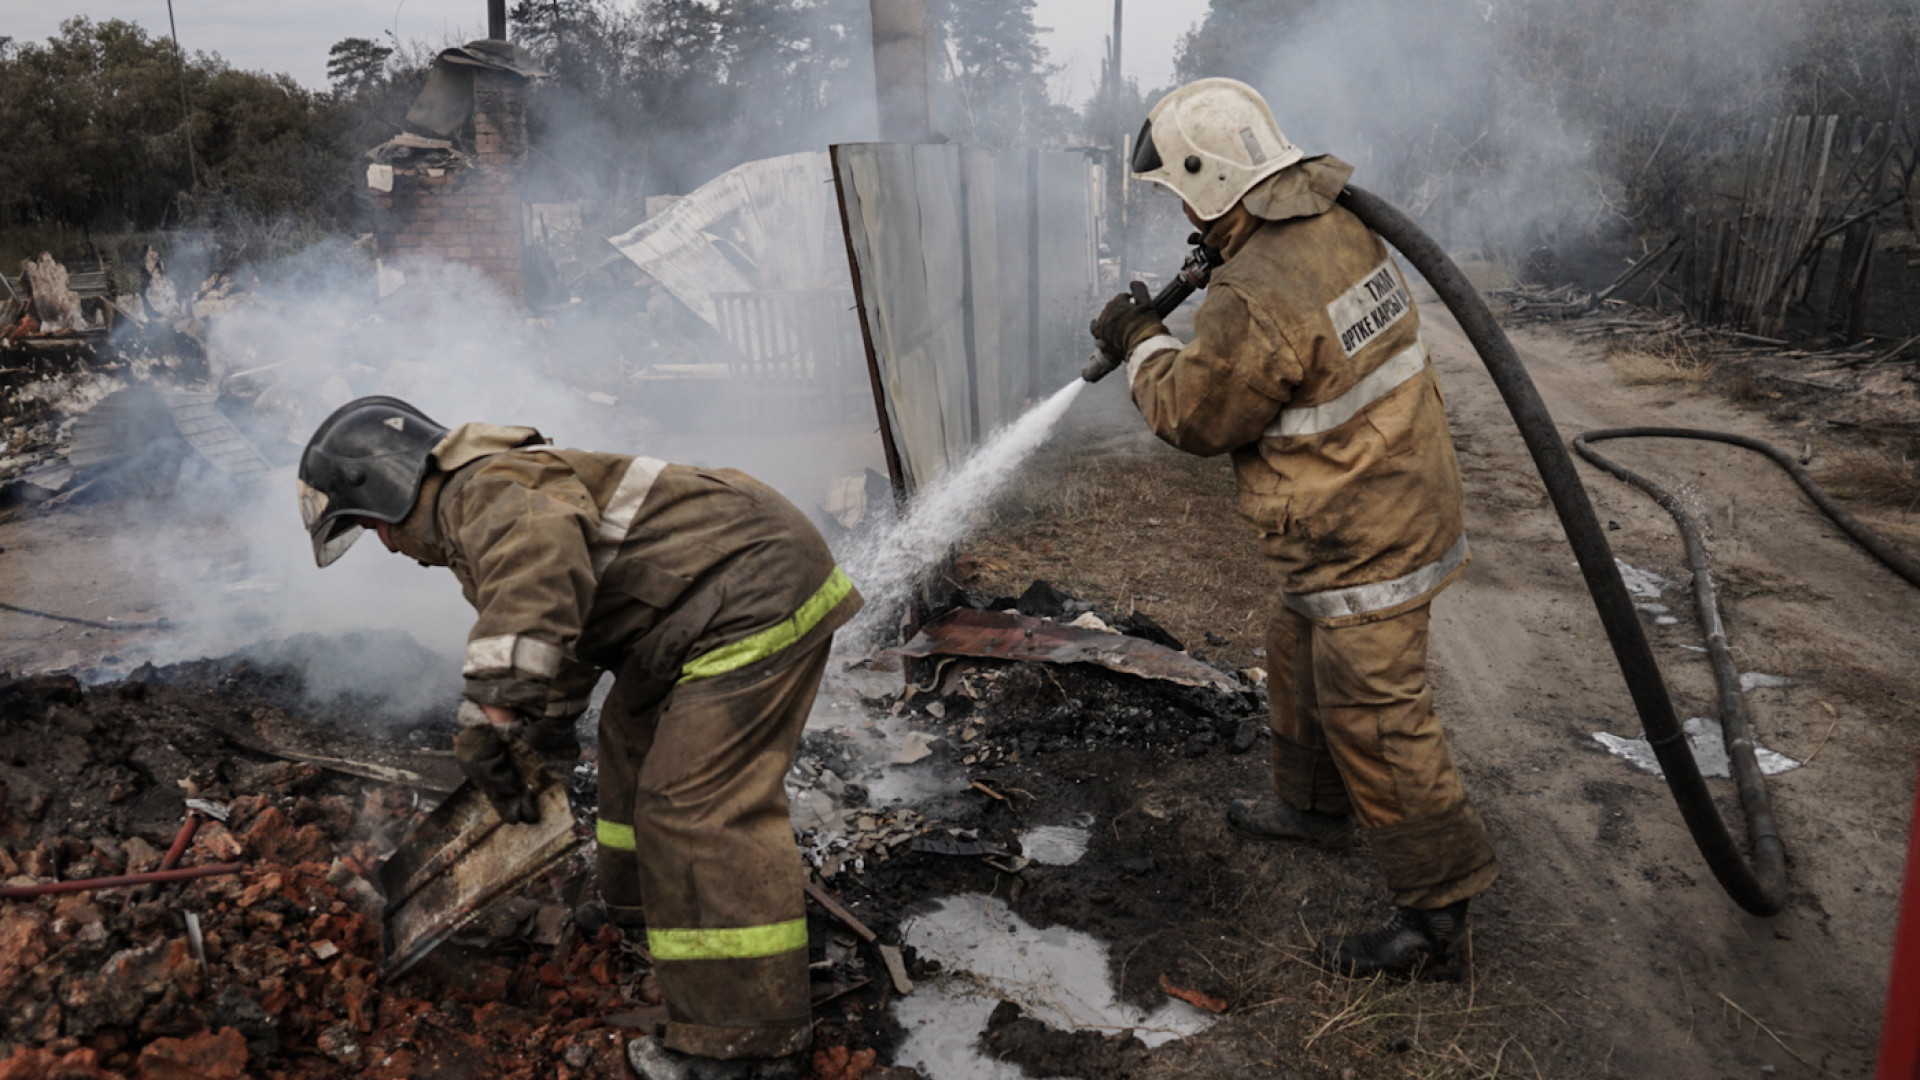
x,y
1760,887
161,624
1736,729
1888,555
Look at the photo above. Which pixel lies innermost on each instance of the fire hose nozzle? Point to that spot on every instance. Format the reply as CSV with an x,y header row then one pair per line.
x,y
1193,276
1100,365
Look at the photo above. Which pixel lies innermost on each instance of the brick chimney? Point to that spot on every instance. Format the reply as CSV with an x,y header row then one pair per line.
x,y
439,204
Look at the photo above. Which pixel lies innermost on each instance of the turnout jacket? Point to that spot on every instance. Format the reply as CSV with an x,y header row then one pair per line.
x,y
578,562
1308,367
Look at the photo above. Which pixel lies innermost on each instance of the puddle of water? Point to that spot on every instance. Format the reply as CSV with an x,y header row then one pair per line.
x,y
1055,845
1709,750
988,954
875,741
1641,583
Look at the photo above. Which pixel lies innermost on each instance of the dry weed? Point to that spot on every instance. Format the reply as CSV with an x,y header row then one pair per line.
x,y
1747,390
1875,476
1662,361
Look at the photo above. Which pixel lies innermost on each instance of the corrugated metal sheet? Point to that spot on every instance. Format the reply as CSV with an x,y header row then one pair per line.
x,y
767,225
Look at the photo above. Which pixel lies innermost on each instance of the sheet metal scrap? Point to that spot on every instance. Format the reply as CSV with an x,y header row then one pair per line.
x,y
933,845
1008,635
461,860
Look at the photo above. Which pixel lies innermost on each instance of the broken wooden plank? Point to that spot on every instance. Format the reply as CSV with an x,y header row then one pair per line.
x,y
1635,270
833,907
896,968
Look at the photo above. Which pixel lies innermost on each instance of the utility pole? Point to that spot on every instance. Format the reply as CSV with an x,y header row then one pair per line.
x,y
496,19
1120,148
902,69
186,114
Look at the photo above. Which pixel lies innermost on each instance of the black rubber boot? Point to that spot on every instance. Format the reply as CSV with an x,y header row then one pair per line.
x,y
652,1061
1276,819
1411,942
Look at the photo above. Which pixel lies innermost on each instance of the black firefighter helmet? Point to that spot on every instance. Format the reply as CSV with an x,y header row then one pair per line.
x,y
365,461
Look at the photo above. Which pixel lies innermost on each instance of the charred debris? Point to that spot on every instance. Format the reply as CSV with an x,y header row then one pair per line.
x,y
287,795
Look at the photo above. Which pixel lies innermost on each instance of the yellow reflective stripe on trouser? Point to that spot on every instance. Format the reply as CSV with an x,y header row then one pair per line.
x,y
734,943
609,834
774,638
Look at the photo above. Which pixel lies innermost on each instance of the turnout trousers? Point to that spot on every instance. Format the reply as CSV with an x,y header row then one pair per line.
x,y
695,840
1354,732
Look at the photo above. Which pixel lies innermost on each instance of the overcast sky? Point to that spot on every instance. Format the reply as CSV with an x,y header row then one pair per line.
x,y
293,35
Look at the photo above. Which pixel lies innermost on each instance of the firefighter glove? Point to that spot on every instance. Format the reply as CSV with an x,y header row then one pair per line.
x,y
1123,324
486,757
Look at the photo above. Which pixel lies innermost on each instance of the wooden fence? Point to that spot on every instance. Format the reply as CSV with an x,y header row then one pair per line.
x,y
1812,180
802,345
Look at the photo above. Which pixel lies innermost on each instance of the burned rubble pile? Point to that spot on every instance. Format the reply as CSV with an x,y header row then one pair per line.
x,y
1099,695
271,966
273,969
111,386
1000,686
1023,721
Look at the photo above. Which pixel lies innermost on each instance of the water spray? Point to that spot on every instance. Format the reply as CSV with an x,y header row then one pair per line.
x,y
890,560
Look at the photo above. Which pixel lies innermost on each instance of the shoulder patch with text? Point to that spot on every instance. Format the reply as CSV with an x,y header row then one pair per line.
x,y
1363,312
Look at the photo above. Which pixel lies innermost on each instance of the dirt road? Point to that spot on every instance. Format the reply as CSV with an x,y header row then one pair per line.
x,y
1525,671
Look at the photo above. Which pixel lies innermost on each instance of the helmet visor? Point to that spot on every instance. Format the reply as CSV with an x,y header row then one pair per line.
x,y
1146,157
333,540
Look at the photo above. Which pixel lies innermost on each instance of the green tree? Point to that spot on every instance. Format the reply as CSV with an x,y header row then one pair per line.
x,y
102,135
996,73
1236,39
356,65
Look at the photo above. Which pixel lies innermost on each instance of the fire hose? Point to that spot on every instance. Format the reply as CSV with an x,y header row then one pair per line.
x,y
1758,886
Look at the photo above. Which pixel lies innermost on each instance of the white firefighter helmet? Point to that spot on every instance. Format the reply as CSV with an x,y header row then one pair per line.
x,y
1211,141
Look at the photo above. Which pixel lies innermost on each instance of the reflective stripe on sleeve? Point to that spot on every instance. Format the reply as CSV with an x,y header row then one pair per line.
x,y
622,508
774,638
1154,344
1377,384
731,943
609,834
507,653
1381,595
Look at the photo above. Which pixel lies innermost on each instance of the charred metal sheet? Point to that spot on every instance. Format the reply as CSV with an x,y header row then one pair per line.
x,y
461,860
933,845
150,426
1009,635
208,430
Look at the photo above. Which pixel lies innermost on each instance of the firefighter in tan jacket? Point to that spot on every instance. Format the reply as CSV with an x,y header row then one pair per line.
x,y
1307,366
712,600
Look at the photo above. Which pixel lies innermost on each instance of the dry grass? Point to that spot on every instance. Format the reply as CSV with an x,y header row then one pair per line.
x,y
1660,361
1376,1028
1876,476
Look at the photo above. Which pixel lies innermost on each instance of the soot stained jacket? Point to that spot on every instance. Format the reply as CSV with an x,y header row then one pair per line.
x,y
578,562
1307,365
